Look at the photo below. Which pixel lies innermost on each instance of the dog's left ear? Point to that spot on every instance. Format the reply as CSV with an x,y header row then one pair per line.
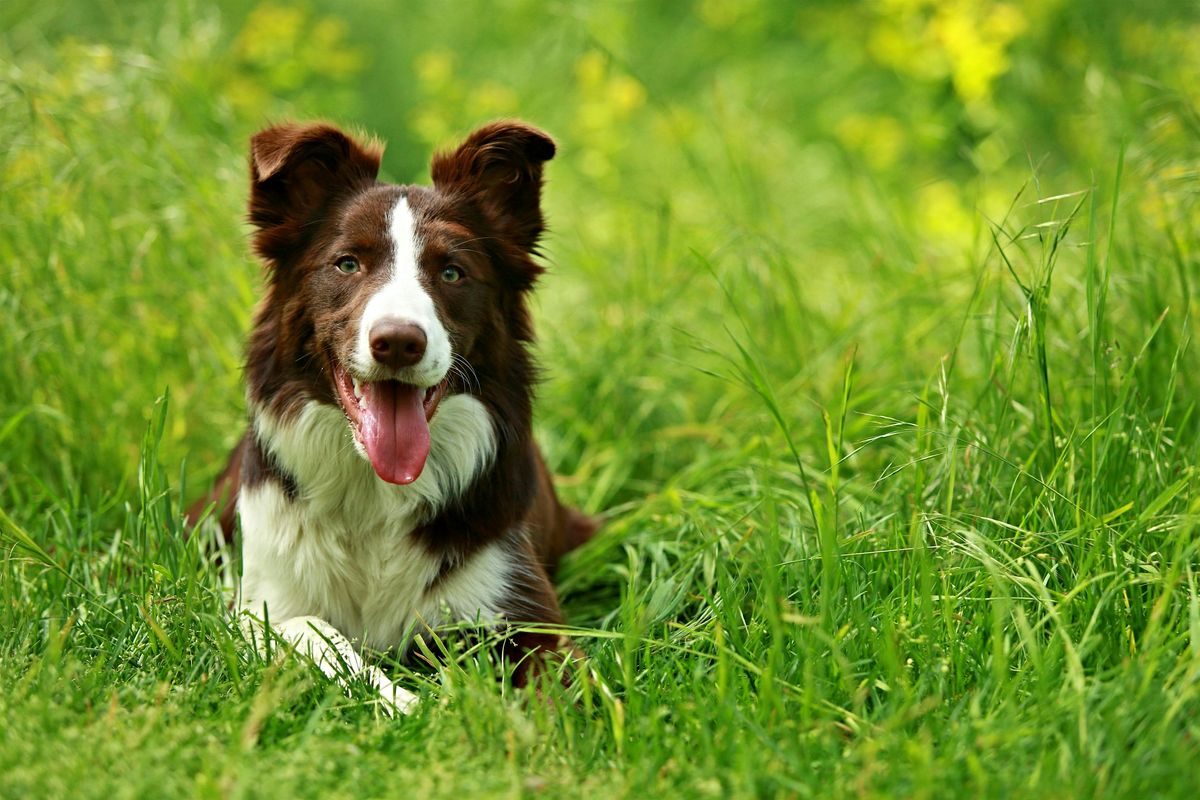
x,y
500,167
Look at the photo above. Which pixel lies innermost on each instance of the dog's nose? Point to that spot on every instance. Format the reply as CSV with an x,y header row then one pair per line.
x,y
397,344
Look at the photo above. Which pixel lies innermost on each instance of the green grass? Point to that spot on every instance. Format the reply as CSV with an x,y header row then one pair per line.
x,y
886,385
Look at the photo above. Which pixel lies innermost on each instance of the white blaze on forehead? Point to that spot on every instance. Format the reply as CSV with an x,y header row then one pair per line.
x,y
405,299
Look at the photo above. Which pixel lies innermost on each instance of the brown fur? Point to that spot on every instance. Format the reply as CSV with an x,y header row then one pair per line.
x,y
314,195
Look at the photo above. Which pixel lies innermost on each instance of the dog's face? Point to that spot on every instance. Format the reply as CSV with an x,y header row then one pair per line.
x,y
391,293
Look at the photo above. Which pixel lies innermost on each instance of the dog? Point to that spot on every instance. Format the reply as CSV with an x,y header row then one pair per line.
x,y
389,481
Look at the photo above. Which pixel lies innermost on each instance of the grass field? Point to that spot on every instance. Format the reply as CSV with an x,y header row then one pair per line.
x,y
868,325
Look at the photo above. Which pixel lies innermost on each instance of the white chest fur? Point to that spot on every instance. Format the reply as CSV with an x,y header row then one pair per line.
x,y
343,549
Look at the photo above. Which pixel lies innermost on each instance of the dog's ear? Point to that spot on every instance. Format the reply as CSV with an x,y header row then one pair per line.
x,y
295,172
500,167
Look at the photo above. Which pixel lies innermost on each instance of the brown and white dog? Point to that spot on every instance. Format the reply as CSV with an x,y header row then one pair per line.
x,y
389,481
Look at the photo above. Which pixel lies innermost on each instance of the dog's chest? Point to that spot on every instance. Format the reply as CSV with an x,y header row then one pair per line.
x,y
343,549
363,572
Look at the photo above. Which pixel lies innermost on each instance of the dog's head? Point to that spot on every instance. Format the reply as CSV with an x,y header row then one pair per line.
x,y
385,298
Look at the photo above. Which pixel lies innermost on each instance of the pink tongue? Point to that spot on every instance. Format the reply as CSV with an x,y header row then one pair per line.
x,y
395,431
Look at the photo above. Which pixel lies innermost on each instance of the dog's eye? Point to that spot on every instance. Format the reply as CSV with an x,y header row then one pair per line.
x,y
452,275
347,265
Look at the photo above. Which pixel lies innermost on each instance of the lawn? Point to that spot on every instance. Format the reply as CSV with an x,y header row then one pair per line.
x,y
868,326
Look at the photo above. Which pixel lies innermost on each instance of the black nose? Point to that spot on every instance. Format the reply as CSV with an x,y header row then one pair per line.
x,y
397,344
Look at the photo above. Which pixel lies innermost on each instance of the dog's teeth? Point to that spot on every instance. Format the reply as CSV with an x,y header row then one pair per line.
x,y
357,389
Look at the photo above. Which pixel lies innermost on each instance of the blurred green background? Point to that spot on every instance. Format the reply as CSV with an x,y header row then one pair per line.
x,y
868,324
871,145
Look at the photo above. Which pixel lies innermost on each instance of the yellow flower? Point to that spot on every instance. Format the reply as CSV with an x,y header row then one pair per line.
x,y
271,32
590,69
941,215
289,46
879,139
432,126
435,68
967,40
492,98
626,94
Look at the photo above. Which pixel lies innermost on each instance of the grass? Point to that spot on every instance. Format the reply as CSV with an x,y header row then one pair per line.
x,y
898,453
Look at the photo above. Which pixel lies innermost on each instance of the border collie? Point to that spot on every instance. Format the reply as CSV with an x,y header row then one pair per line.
x,y
389,481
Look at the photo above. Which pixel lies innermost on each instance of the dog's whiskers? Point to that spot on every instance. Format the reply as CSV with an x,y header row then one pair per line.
x,y
462,368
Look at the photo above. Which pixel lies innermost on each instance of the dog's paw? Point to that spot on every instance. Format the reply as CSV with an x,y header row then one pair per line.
x,y
396,701
393,699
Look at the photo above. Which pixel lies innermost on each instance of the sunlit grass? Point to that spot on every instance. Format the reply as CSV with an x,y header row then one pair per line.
x,y
898,454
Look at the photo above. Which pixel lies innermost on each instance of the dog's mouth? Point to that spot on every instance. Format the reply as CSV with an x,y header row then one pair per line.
x,y
390,420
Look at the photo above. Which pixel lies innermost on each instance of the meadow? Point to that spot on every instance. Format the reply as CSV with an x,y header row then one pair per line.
x,y
867,326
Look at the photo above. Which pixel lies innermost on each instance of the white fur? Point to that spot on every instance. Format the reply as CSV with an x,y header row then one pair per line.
x,y
318,450
404,299
341,559
336,656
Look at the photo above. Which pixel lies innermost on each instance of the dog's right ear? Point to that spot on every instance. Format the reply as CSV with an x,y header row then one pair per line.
x,y
296,171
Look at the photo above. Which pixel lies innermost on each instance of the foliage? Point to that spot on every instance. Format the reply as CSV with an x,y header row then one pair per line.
x,y
869,326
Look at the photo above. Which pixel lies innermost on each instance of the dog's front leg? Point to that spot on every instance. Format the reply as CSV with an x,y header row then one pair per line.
x,y
334,654
532,601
